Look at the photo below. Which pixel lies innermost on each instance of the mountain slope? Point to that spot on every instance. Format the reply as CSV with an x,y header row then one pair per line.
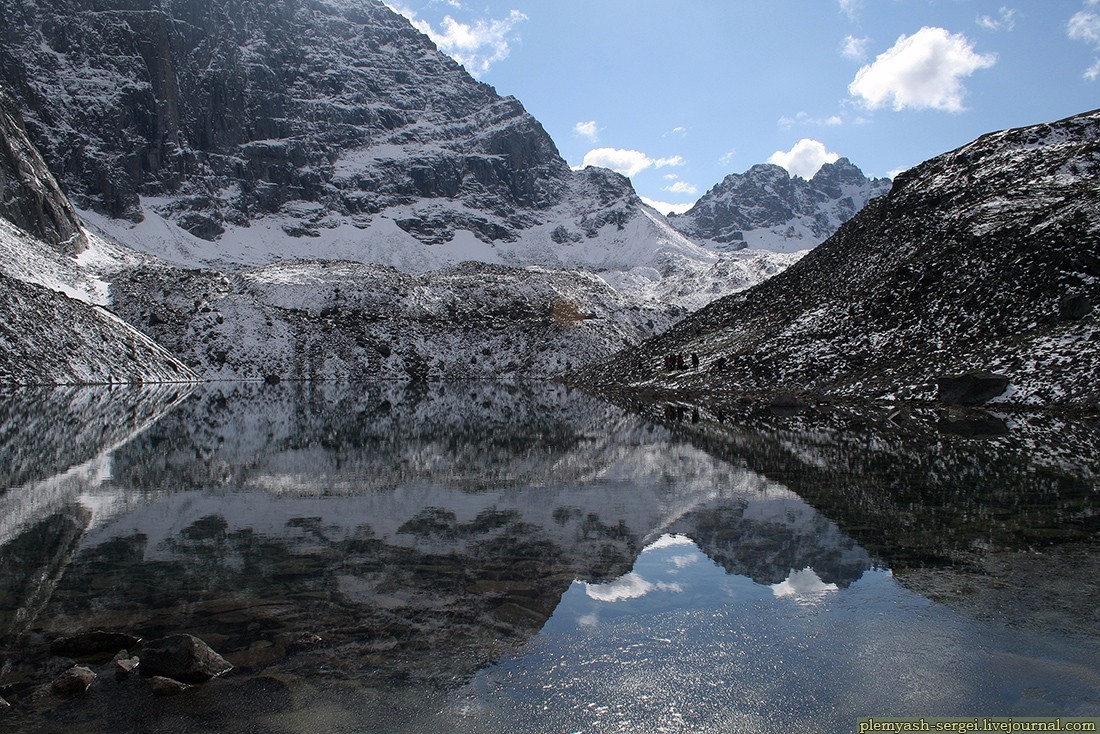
x,y
982,259
53,328
766,208
226,133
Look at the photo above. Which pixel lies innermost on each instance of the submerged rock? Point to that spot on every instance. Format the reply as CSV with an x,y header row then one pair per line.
x,y
93,644
125,664
161,686
73,682
183,657
970,388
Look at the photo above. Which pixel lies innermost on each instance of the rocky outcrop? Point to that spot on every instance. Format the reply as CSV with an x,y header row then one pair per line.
x,y
965,266
766,207
184,658
29,195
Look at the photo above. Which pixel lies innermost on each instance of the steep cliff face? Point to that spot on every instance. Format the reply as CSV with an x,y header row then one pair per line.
x,y
767,208
982,259
324,128
29,195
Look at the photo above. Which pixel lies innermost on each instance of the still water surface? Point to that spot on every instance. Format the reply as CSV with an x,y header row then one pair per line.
x,y
502,558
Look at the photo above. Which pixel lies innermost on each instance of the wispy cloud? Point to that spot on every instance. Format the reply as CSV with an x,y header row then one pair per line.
x,y
851,8
921,71
727,157
476,45
682,187
1084,26
1005,20
854,49
801,118
679,130
804,158
627,162
588,130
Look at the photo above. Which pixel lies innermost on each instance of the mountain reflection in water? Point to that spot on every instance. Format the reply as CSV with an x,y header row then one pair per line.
x,y
480,557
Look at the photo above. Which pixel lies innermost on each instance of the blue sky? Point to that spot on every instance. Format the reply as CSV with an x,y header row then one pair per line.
x,y
679,93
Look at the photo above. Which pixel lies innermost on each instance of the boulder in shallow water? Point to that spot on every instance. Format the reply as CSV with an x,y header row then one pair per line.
x,y
970,388
161,686
182,657
73,682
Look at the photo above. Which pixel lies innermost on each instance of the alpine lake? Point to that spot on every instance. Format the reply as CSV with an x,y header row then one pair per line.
x,y
484,557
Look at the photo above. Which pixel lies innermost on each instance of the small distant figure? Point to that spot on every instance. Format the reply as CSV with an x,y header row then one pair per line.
x,y
694,361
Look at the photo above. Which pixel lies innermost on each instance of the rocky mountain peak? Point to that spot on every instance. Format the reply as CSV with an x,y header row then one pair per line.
x,y
765,207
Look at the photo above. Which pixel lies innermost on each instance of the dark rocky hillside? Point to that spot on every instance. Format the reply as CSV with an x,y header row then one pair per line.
x,y
984,259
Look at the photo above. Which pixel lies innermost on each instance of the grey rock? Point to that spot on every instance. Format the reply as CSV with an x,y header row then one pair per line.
x,y
125,664
971,388
183,111
1075,307
4,705
163,686
73,682
30,197
184,658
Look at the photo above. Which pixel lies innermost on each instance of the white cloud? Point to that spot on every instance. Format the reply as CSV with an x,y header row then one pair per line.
x,y
630,586
670,177
804,585
802,118
682,187
921,71
728,156
1005,20
665,207
804,158
894,173
851,8
1085,26
678,130
627,162
477,45
587,130
854,49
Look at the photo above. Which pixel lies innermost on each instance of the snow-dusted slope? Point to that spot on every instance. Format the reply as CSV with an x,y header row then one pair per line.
x,y
767,209
982,259
53,327
321,129
349,321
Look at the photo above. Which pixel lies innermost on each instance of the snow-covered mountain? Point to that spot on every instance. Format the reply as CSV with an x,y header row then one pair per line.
x,y
241,133
983,259
238,155
766,208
